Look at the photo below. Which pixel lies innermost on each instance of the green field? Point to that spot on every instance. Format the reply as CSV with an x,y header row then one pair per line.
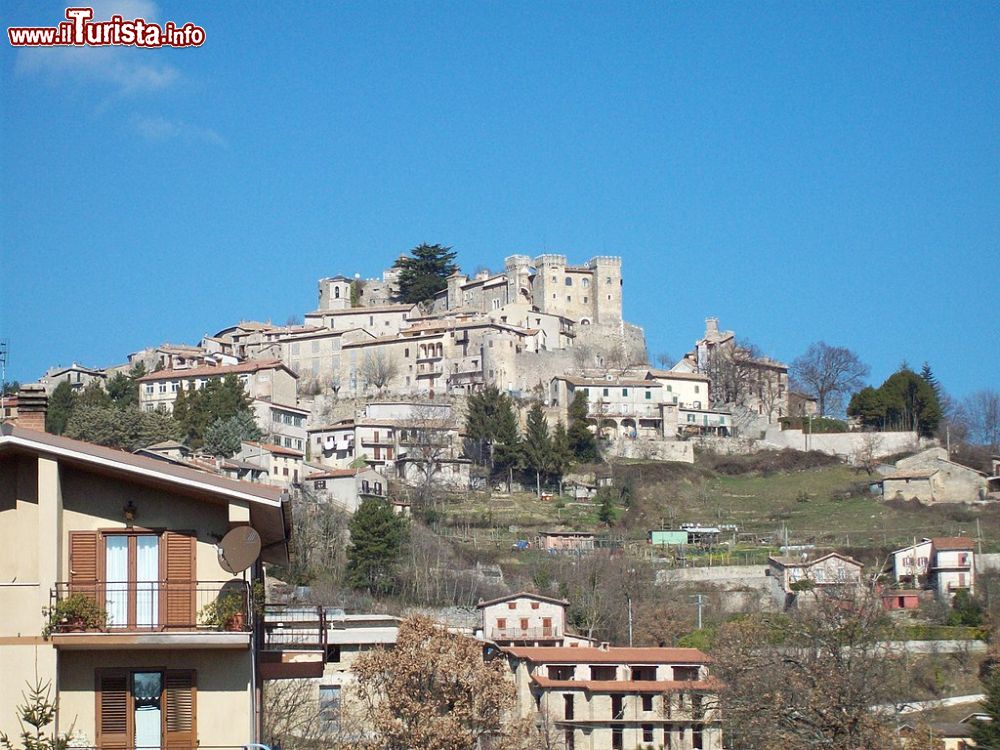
x,y
830,506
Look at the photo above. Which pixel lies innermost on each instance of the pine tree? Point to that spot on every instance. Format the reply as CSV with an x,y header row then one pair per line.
x,y
36,713
224,437
424,274
562,454
377,538
537,446
581,440
60,408
930,378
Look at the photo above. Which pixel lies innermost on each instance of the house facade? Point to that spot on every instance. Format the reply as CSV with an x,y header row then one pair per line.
x,y
792,577
152,641
262,379
524,619
611,698
943,565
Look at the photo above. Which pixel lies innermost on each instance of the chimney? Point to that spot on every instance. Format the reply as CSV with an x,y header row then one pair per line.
x,y
603,646
711,328
32,402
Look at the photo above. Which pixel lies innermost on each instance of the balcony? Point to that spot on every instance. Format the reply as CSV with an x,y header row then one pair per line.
x,y
524,634
154,614
430,371
294,642
648,411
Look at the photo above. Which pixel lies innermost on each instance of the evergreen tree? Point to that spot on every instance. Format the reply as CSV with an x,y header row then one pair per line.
x,y
905,401
582,442
120,389
537,446
930,378
424,273
562,454
60,408
224,437
507,440
377,538
156,426
94,395
986,734
181,413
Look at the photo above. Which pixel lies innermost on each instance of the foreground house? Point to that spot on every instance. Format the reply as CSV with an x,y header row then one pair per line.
x,y
610,698
155,642
932,477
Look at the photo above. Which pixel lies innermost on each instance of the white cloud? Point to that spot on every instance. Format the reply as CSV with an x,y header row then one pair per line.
x,y
125,70
162,129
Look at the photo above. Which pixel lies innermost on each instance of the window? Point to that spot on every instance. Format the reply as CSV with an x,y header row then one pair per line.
x,y
647,732
146,707
568,281
568,298
534,605
567,706
406,352
649,395
336,292
149,389
329,706
511,605
605,392
697,389
624,391
585,283
647,702
332,654
585,300
502,623
690,418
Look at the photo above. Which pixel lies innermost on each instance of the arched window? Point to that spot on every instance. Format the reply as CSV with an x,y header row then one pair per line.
x,y
336,292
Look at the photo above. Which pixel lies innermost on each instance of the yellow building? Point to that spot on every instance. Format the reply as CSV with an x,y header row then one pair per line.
x,y
153,642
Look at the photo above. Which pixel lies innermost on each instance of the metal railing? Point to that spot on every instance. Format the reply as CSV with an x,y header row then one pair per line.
x,y
294,628
523,634
150,606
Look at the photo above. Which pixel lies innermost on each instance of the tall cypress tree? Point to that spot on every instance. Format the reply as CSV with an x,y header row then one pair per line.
x,y
537,445
581,440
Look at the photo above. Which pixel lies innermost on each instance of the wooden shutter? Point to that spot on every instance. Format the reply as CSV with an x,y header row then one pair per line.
x,y
114,714
179,710
178,580
84,547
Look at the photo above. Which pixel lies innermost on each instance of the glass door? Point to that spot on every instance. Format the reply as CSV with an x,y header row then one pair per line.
x,y
116,580
132,580
147,688
147,577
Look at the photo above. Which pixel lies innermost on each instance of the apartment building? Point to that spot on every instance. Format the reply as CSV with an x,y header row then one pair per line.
x,y
283,466
270,380
150,641
617,698
77,376
283,424
523,619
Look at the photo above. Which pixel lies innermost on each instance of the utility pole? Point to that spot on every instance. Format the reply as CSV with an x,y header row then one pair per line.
x,y
699,602
628,598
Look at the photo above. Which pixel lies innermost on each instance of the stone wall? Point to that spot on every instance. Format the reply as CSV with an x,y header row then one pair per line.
x,y
845,444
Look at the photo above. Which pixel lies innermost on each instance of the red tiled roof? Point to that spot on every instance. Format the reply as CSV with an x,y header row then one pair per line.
x,y
333,474
194,372
626,686
276,449
953,542
611,655
523,595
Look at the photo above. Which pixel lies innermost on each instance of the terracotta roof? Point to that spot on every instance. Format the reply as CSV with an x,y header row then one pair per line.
x,y
276,449
333,474
953,542
626,686
611,655
194,372
677,375
795,562
617,383
522,595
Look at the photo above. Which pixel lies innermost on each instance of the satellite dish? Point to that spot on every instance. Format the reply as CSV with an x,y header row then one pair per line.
x,y
239,548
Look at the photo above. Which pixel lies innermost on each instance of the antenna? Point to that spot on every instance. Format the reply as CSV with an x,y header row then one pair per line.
x,y
239,549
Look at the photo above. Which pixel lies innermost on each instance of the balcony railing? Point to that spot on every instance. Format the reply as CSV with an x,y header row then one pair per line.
x,y
288,627
524,634
153,606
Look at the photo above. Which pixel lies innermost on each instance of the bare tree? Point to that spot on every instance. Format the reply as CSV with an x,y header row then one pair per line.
x,y
294,720
434,691
820,677
981,411
665,360
426,439
869,453
829,373
734,373
379,369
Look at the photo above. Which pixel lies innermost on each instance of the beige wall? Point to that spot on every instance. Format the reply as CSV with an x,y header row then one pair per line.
x,y
224,713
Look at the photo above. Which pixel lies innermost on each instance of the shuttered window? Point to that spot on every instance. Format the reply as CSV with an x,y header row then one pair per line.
x,y
179,579
179,701
114,709
83,562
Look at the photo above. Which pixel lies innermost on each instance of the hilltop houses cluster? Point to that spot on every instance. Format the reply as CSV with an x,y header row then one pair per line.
x,y
367,383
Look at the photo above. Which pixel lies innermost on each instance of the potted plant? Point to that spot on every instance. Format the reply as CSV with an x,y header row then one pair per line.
x,y
227,612
77,612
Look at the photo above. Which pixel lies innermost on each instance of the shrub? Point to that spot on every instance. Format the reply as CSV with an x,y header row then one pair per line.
x,y
76,610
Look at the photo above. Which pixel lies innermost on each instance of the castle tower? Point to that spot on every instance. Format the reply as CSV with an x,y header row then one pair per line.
x,y
518,269
550,280
607,287
335,293
455,282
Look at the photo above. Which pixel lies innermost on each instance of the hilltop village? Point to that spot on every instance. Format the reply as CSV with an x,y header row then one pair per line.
x,y
290,519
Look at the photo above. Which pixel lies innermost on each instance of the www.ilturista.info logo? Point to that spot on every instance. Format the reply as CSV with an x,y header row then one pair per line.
x,y
80,30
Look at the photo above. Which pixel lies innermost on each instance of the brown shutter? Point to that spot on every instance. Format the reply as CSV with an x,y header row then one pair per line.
x,y
114,725
179,709
83,562
178,580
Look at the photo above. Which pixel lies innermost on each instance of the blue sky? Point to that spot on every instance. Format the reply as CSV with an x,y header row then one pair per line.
x,y
803,171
